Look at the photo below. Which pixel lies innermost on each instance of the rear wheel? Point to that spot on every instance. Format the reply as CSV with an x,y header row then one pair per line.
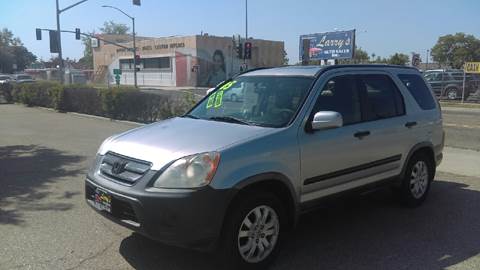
x,y
252,231
451,93
418,177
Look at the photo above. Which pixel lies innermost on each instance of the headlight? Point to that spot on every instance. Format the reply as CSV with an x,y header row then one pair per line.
x,y
189,172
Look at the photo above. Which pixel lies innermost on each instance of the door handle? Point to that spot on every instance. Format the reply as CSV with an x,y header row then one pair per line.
x,y
410,124
361,134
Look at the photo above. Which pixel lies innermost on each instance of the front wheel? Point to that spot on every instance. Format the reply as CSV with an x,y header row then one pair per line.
x,y
452,93
416,182
252,231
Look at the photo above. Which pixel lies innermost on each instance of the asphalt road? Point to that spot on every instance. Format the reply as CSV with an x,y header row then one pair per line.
x,y
45,223
462,127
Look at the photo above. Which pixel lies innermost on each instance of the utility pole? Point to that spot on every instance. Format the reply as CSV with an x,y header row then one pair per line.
x,y
134,54
246,32
134,49
59,40
426,64
59,36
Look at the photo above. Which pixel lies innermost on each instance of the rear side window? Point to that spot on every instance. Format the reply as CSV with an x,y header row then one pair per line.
x,y
419,90
383,99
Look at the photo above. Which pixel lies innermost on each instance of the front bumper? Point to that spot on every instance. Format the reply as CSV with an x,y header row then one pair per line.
x,y
186,218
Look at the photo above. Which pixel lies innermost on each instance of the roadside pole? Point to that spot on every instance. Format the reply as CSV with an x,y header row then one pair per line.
x,y
463,90
59,45
134,54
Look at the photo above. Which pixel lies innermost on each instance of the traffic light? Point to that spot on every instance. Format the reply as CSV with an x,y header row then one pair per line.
x,y
53,41
136,2
39,33
239,50
248,50
77,33
137,60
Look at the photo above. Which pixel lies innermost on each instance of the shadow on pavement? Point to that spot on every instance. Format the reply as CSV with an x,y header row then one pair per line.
x,y
25,173
365,232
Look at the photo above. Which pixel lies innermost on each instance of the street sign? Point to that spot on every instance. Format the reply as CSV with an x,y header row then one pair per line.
x,y
330,45
472,67
117,71
117,79
94,42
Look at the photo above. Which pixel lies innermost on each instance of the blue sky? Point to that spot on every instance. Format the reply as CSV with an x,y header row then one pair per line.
x,y
384,27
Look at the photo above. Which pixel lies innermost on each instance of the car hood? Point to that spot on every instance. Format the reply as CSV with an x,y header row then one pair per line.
x,y
166,141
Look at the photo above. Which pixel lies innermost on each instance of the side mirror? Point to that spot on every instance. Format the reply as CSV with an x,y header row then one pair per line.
x,y
327,120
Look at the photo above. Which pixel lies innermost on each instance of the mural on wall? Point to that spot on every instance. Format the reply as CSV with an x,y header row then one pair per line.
x,y
213,67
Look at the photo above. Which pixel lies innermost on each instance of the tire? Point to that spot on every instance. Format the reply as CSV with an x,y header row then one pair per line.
x,y
233,98
451,93
417,180
235,225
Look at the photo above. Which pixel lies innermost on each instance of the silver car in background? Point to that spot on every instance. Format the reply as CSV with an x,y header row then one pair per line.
x,y
235,176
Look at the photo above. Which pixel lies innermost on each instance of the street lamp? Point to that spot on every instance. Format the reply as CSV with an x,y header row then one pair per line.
x,y
134,44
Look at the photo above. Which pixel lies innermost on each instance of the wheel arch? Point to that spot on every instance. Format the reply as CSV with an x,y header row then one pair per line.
x,y
427,148
276,183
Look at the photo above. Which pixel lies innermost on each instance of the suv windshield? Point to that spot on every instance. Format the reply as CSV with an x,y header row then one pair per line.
x,y
270,101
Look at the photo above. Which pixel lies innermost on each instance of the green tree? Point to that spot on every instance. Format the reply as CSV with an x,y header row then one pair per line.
x,y
87,60
398,59
360,57
455,50
112,28
285,58
12,52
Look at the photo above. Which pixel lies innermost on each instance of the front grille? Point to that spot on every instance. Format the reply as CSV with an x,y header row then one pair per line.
x,y
123,169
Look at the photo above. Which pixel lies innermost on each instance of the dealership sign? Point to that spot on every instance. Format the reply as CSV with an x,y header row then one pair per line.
x,y
472,67
330,45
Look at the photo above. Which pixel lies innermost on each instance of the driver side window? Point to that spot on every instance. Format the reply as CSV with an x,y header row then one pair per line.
x,y
339,94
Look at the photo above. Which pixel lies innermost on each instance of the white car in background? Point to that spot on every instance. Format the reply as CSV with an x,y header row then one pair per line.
x,y
4,79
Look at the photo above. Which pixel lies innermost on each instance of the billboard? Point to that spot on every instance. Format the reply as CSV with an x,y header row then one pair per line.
x,y
330,45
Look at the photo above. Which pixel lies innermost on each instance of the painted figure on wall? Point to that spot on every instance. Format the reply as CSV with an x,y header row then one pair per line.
x,y
218,73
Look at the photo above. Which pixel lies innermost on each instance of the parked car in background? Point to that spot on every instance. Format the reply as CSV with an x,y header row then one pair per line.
x,y
23,78
236,178
234,94
5,79
449,83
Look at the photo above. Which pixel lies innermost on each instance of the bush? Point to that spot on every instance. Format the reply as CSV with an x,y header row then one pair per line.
x,y
35,94
6,92
122,103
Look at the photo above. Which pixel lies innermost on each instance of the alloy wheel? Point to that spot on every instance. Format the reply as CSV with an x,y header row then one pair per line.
x,y
258,234
419,179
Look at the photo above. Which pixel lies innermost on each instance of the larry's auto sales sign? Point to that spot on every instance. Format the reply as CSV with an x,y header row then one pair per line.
x,y
330,45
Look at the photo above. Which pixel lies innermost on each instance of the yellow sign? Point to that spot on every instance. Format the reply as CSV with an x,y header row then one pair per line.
x,y
472,67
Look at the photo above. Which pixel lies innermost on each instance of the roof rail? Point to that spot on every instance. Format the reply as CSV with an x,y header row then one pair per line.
x,y
327,68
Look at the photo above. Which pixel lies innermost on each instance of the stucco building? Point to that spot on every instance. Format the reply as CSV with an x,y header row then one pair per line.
x,y
200,60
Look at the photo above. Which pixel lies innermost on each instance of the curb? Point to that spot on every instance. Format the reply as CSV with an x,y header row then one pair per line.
x,y
91,116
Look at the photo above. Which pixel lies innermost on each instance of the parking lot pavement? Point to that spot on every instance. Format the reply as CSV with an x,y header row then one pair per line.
x,y
45,223
462,127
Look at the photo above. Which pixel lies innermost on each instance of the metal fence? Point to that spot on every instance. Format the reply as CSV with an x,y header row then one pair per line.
x,y
451,85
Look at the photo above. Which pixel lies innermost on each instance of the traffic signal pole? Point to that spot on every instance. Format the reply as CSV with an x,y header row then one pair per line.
x,y
246,33
59,40
59,37
134,54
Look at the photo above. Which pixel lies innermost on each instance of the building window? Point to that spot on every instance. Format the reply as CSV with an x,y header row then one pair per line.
x,y
126,64
147,63
156,63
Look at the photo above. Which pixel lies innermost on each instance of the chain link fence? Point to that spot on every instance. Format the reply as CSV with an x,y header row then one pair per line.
x,y
452,85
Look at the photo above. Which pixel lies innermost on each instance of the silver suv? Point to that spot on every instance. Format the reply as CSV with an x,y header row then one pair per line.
x,y
236,175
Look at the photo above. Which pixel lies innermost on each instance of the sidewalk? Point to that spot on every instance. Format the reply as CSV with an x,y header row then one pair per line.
x,y
460,161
